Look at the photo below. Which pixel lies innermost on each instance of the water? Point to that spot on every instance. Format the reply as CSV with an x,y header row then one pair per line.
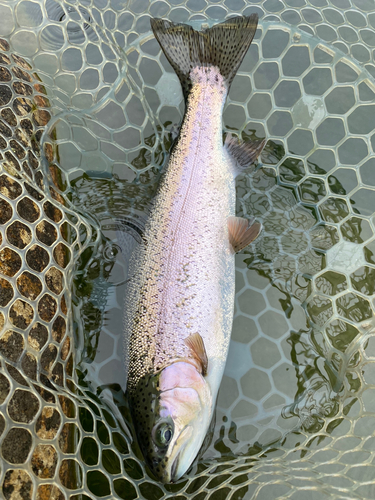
x,y
295,411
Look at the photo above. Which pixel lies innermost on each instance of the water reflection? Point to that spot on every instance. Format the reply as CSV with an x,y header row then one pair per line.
x,y
300,370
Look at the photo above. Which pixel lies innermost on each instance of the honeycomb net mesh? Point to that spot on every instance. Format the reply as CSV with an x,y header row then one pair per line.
x,y
87,104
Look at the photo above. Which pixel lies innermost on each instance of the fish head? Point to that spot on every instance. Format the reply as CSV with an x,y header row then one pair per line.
x,y
172,410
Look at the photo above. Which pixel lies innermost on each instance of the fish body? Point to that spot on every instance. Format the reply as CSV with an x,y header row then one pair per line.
x,y
181,292
186,272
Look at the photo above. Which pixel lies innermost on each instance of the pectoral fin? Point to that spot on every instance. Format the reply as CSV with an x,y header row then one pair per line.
x,y
198,350
242,232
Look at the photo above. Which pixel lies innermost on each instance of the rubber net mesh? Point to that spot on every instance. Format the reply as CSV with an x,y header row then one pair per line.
x,y
87,104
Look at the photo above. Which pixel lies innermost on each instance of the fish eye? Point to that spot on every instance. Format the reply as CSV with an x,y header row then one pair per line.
x,y
162,434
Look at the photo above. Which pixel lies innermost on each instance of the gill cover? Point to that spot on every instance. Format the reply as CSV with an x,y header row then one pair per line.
x,y
171,411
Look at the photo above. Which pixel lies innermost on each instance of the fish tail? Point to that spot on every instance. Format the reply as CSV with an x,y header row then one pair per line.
x,y
223,46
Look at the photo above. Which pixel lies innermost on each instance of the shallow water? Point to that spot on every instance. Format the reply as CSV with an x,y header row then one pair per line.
x,y
296,408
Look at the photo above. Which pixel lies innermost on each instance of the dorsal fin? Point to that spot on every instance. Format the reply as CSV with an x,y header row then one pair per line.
x,y
242,232
244,153
130,236
128,228
198,350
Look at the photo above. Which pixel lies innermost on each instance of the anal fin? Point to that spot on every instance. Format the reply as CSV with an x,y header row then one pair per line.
x,y
244,153
242,232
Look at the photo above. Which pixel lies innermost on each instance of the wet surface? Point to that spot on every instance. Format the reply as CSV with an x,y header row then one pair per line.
x,y
295,411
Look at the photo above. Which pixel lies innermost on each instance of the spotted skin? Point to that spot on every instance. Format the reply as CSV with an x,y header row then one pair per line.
x,y
182,279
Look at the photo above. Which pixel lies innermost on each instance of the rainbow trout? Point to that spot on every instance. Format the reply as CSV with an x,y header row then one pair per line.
x,y
180,295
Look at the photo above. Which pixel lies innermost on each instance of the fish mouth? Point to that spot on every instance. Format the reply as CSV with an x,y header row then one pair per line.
x,y
174,477
173,474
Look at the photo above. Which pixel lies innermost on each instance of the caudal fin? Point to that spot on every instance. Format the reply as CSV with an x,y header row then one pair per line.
x,y
223,46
